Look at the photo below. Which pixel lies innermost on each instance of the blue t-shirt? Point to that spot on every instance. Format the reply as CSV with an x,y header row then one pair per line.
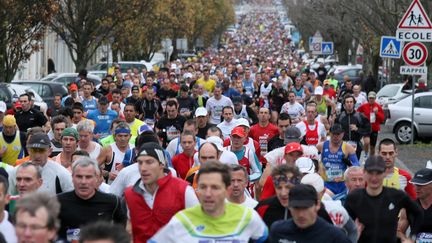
x,y
103,121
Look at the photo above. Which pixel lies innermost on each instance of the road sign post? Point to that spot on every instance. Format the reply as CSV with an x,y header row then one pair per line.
x,y
390,47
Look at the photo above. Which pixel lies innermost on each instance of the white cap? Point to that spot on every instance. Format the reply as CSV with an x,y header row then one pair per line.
x,y
216,141
243,122
187,75
305,165
201,111
319,90
3,106
173,66
314,180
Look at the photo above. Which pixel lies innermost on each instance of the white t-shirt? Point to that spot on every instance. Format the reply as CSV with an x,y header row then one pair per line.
x,y
215,107
276,156
294,110
360,100
7,229
175,148
250,203
227,127
95,153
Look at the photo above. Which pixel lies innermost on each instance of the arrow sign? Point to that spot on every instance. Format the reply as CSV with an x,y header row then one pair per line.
x,y
390,47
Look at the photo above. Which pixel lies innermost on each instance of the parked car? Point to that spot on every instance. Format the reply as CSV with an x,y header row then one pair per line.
x,y
399,120
9,93
46,90
124,66
352,71
67,78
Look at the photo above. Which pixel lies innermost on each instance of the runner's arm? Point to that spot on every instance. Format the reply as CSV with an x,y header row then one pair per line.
x,y
255,167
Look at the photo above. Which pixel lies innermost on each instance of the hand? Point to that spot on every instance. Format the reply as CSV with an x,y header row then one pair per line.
x,y
112,175
375,110
119,166
353,127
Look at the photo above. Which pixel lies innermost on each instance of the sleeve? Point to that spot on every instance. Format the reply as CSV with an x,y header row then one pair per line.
x,y
118,185
259,228
349,207
415,213
167,233
42,118
190,197
322,130
351,230
302,128
66,180
171,148
255,167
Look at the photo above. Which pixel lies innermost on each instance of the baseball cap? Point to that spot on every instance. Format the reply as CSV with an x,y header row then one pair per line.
x,y
216,141
293,147
9,120
314,180
18,105
103,100
292,134
336,128
144,128
201,111
184,88
154,150
302,196
187,75
372,94
70,132
243,122
3,106
238,131
73,87
39,140
326,82
422,177
375,163
305,165
135,88
319,90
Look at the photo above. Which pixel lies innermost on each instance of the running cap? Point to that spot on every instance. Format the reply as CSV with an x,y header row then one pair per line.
x,y
422,177
302,196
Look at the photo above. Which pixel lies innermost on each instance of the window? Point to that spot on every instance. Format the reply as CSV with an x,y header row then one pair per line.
x,y
4,95
46,91
423,102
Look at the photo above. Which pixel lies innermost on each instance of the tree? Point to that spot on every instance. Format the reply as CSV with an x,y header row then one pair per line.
x,y
23,24
85,25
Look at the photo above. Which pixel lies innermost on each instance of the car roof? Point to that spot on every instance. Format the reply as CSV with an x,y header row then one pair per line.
x,y
35,82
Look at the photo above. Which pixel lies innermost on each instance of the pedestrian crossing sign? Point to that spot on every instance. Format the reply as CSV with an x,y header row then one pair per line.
x,y
327,48
390,47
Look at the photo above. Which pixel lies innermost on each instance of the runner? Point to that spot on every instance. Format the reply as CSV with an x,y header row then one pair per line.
x,y
217,220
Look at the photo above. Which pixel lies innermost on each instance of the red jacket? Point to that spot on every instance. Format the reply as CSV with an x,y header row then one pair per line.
x,y
367,108
169,199
182,164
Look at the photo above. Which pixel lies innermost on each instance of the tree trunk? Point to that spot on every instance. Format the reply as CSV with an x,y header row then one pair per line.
x,y
342,49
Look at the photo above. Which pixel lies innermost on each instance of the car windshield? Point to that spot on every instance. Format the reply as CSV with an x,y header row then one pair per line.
x,y
388,91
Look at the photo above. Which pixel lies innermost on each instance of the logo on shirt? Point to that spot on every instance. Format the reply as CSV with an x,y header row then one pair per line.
x,y
391,206
200,227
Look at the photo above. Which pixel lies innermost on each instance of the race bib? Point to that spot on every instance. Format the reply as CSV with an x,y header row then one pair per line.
x,y
73,235
424,237
263,144
172,133
334,172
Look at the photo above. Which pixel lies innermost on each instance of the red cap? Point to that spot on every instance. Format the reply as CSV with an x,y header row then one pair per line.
x,y
293,147
239,131
73,87
18,105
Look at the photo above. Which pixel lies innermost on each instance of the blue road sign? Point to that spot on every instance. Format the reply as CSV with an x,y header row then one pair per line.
x,y
390,47
327,48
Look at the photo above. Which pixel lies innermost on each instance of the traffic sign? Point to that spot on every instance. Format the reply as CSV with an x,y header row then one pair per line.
x,y
414,53
415,25
327,48
390,47
410,70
